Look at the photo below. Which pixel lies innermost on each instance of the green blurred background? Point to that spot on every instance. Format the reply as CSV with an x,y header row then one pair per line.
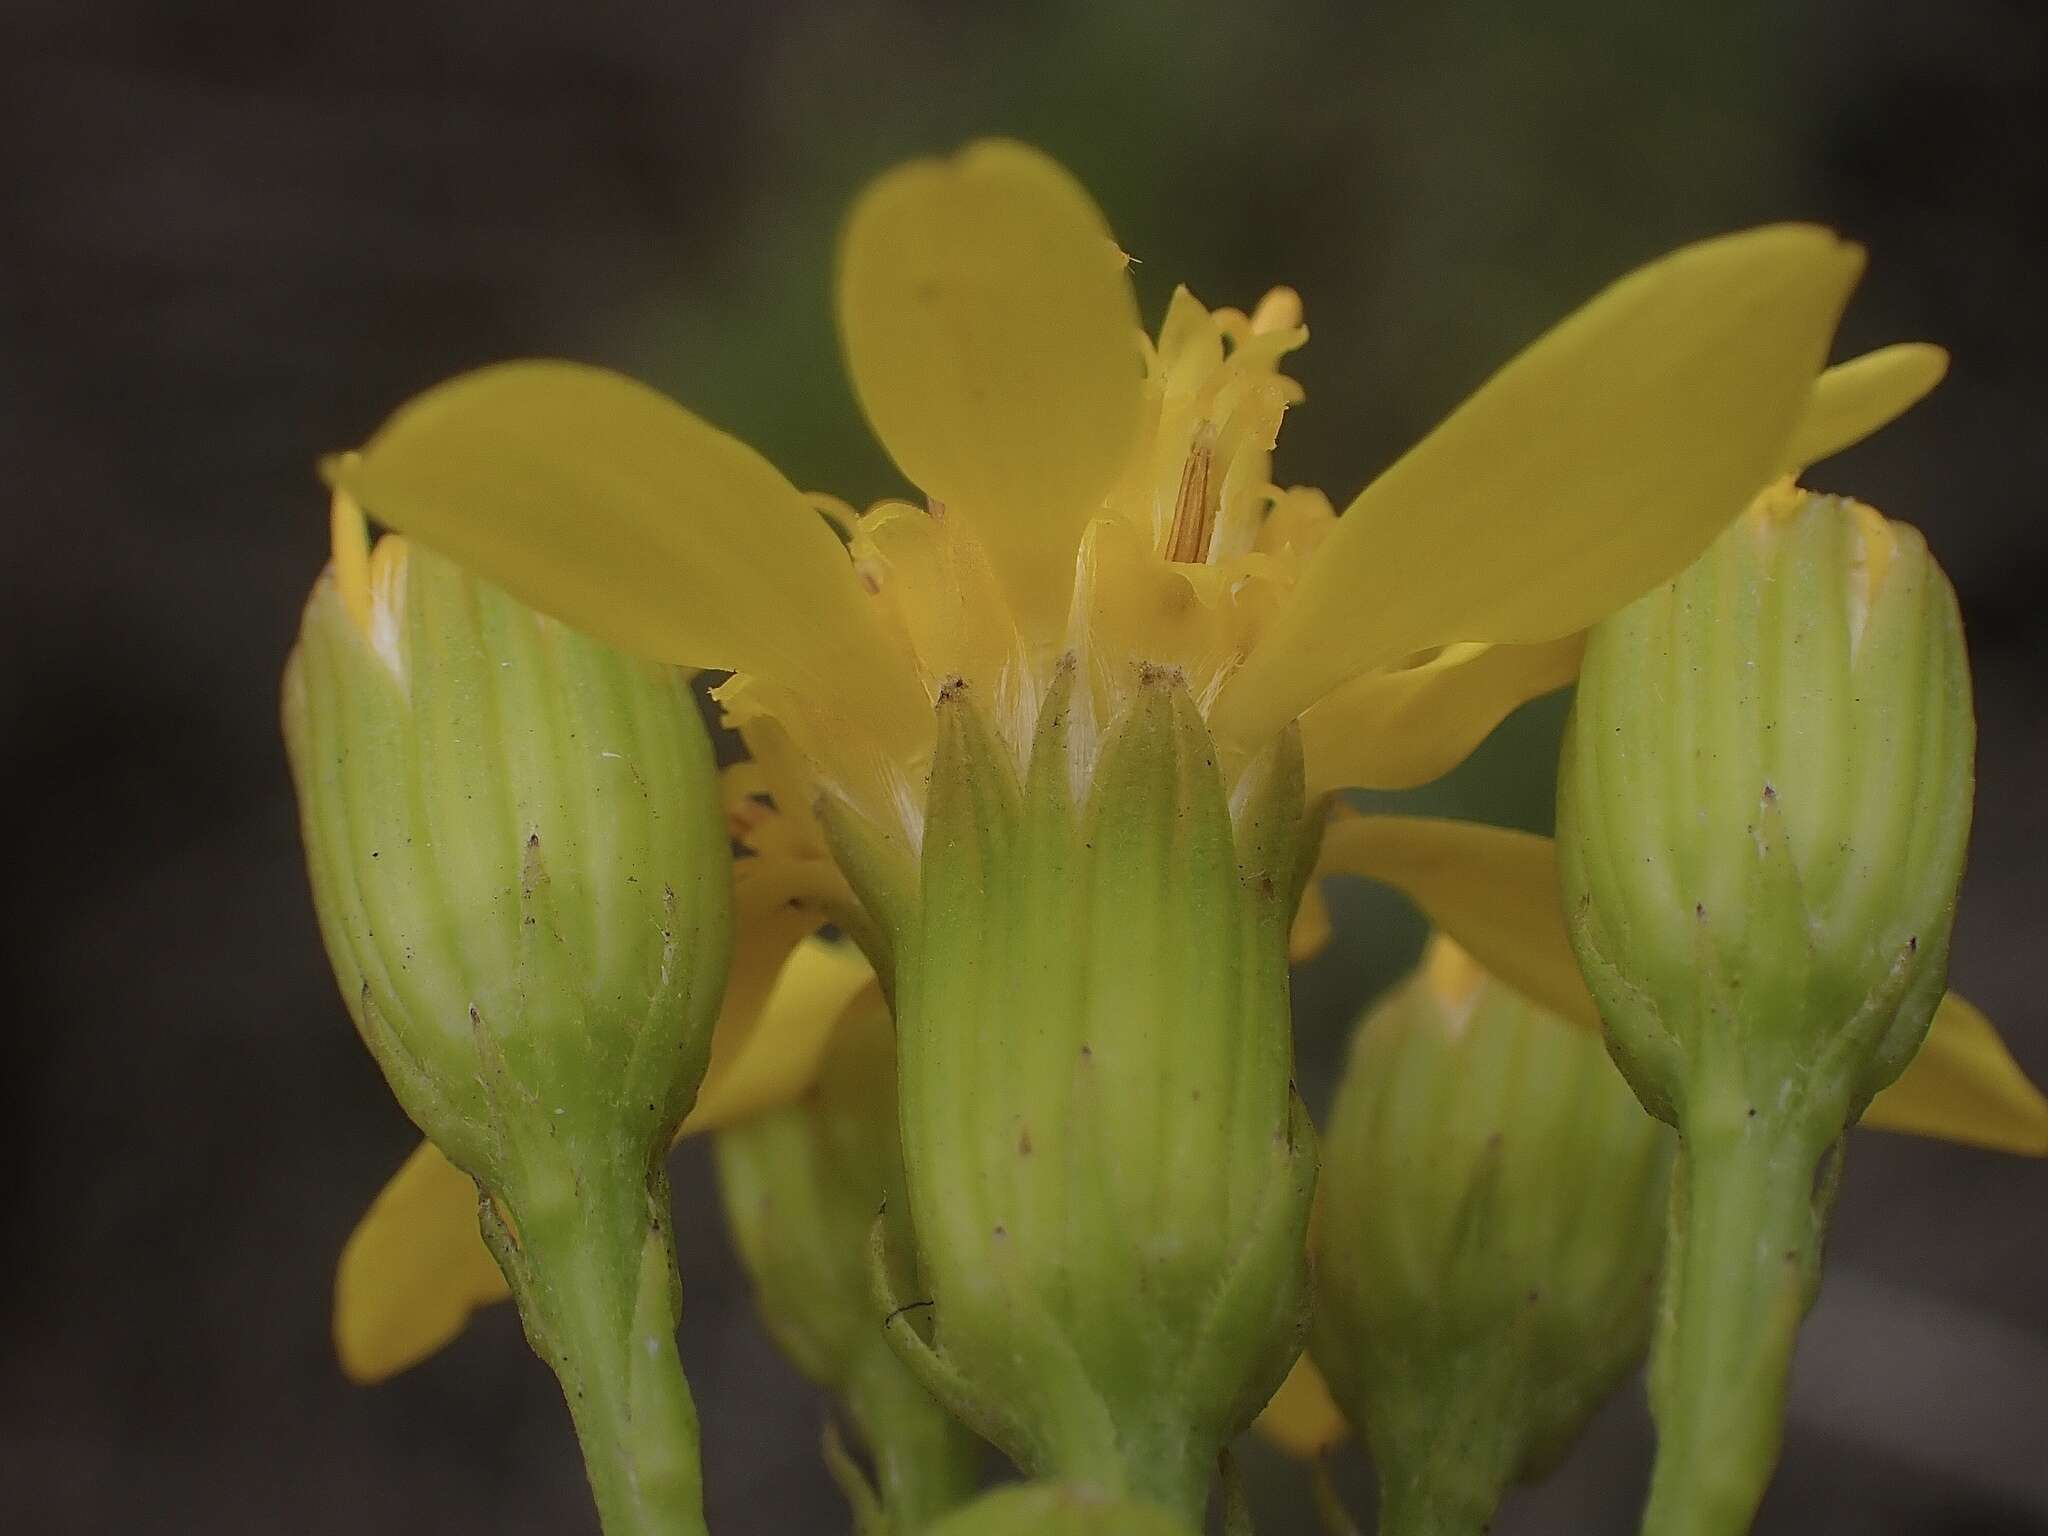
x,y
231,238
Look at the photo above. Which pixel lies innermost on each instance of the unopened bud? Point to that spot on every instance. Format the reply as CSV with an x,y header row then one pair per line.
x,y
1762,810
1762,815
519,862
1489,1234
517,856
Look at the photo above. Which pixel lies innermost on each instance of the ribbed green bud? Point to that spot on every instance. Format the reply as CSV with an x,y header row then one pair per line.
x,y
1051,1509
518,858
520,867
1765,801
802,1187
1489,1234
1762,812
1109,1172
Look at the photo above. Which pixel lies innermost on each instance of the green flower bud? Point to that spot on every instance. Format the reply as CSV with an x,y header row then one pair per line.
x,y
1762,812
1053,1509
518,858
802,1186
519,862
1108,1170
1489,1232
1762,815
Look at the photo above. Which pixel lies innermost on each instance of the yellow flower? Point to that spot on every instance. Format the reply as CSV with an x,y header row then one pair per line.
x,y
1087,494
1090,494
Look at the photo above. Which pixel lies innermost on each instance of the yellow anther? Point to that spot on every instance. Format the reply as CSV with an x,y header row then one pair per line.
x,y
1194,509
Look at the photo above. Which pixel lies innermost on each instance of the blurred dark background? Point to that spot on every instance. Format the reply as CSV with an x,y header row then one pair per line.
x,y
233,236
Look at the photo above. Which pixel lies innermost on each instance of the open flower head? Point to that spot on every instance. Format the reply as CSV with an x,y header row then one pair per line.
x,y
1086,492
1090,497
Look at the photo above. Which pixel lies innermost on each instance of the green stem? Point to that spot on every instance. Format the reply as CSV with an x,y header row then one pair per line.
x,y
592,1268
926,1462
1744,1255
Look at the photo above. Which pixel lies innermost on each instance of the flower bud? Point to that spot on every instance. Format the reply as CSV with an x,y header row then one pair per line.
x,y
1055,1509
1762,811
1108,1170
1762,814
518,858
802,1187
519,862
1489,1232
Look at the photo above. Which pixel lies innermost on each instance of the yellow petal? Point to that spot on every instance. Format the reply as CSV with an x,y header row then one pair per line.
x,y
775,1057
1492,889
1309,935
1853,399
413,1270
1964,1086
992,337
604,503
1598,463
949,601
1303,1420
1394,730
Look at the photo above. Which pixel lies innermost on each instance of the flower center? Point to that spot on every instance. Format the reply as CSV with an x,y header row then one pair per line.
x,y
1185,562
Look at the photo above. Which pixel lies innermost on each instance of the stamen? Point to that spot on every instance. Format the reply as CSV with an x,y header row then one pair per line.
x,y
1194,510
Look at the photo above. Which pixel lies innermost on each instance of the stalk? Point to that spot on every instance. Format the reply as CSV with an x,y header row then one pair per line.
x,y
1744,1258
925,1462
592,1268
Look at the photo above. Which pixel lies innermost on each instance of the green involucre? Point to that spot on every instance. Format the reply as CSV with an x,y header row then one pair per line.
x,y
1488,1242
1762,812
1108,1170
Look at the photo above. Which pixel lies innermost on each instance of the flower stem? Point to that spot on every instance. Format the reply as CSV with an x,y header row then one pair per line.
x,y
1744,1256
926,1462
592,1267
